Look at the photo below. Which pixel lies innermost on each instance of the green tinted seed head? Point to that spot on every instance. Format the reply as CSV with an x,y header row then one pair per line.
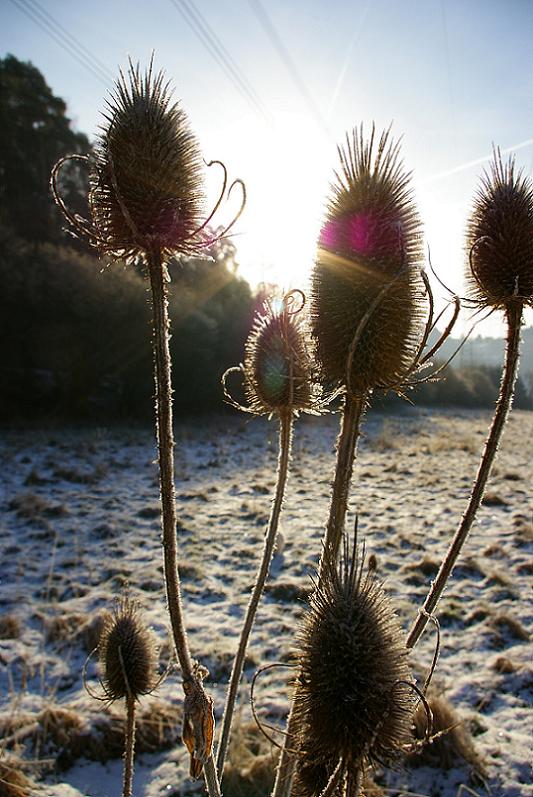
x,y
277,363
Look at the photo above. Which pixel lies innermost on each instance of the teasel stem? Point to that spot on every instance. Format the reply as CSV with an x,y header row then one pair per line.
x,y
334,780
285,439
129,747
287,759
354,784
211,778
503,405
352,415
165,441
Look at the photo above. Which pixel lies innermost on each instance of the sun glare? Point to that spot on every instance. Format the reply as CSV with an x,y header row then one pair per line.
x,y
287,169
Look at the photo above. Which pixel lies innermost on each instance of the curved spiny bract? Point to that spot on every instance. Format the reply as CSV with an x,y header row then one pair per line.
x,y
127,654
369,252
354,702
145,178
500,238
277,364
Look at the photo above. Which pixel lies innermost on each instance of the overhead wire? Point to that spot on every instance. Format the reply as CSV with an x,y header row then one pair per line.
x,y
284,55
64,39
199,25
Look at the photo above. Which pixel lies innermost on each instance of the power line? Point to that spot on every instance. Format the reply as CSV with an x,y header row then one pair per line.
x,y
65,40
212,43
290,66
76,42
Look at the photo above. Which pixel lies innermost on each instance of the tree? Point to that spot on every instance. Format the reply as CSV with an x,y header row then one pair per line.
x,y
34,133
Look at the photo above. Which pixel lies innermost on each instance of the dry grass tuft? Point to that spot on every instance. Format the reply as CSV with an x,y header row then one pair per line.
x,y
62,734
388,439
62,627
505,625
427,566
251,763
89,635
454,748
503,665
495,550
523,530
494,499
13,782
10,627
31,506
446,441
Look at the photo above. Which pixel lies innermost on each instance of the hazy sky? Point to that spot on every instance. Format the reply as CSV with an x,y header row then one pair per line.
x,y
270,87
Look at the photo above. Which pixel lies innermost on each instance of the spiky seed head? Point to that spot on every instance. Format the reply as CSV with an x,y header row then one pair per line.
x,y
371,238
353,703
127,653
146,175
277,364
500,238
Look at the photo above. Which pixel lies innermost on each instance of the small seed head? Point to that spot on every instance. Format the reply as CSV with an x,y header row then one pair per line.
x,y
371,238
127,654
146,183
277,364
500,238
353,703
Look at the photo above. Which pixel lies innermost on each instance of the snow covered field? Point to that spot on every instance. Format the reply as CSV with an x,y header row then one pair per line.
x,y
79,522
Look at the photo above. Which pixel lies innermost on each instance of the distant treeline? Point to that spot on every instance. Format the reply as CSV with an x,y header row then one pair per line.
x,y
475,386
75,338
74,342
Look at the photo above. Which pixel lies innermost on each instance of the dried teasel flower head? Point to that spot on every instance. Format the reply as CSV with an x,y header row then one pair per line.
x,y
366,298
500,238
146,175
277,369
355,700
127,654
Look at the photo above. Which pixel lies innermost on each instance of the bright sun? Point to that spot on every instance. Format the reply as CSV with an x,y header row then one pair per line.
x,y
287,169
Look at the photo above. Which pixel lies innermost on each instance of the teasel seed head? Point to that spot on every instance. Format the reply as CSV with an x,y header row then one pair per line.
x,y
127,654
278,368
146,171
370,239
355,702
500,238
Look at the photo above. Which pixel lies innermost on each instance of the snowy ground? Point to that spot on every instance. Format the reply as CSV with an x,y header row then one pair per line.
x,y
79,520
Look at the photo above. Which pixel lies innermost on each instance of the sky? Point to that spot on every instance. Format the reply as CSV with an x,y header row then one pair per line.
x,y
271,87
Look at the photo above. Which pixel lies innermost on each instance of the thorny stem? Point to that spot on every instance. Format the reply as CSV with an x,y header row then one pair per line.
x,y
503,405
287,760
129,746
352,415
285,435
354,784
211,778
165,441
334,780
